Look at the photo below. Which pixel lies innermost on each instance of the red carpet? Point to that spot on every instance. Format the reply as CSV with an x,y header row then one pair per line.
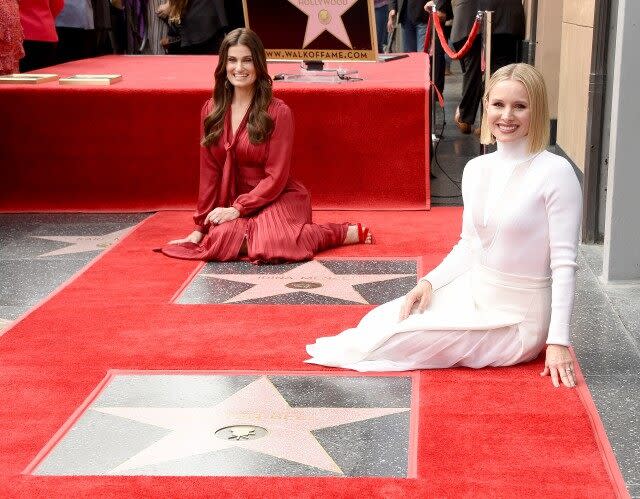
x,y
494,432
134,146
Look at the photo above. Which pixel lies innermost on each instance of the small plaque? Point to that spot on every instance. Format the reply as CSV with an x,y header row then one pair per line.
x,y
303,285
241,432
80,79
28,78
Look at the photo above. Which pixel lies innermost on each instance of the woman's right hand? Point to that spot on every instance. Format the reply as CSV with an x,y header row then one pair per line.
x,y
391,20
195,237
421,294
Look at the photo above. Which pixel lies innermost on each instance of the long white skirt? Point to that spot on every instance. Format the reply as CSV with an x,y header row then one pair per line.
x,y
482,318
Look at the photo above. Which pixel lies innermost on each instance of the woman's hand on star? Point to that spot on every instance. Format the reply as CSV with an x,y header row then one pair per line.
x,y
219,216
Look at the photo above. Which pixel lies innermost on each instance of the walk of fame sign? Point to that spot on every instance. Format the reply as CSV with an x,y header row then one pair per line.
x,y
195,423
314,30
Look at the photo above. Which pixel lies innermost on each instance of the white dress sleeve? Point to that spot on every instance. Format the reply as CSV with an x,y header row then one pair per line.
x,y
459,258
563,202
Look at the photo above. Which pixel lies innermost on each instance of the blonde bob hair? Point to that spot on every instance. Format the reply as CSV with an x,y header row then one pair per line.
x,y
533,82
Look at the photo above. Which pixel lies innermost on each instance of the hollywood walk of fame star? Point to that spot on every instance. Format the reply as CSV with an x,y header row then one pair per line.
x,y
4,325
324,15
311,277
82,244
288,429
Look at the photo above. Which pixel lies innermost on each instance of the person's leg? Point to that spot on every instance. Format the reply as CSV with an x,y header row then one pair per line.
x,y
118,33
320,237
409,41
75,44
37,55
504,51
103,42
381,26
66,44
447,59
89,43
440,349
439,65
421,35
472,86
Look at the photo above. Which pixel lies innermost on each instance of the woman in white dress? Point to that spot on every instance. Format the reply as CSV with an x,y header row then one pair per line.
x,y
506,290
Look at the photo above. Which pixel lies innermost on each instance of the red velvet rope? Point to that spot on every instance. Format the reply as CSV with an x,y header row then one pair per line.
x,y
438,94
427,38
475,29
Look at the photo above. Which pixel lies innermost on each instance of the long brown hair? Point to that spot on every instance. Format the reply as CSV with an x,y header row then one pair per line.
x,y
259,123
176,10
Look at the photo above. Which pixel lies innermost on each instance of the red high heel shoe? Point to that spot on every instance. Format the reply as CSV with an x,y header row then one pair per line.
x,y
363,232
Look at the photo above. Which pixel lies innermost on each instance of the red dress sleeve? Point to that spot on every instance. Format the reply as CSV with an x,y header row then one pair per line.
x,y
276,167
56,7
210,168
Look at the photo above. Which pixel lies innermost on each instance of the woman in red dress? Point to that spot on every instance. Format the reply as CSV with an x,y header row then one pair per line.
x,y
248,204
11,37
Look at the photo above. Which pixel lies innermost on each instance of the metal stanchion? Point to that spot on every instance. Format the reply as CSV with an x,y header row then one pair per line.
x,y
432,92
488,28
486,42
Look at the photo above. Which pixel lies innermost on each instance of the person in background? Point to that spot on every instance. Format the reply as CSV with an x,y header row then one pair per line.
x,y
248,203
76,31
464,14
413,19
508,27
447,32
508,30
157,29
439,58
118,34
235,14
104,28
195,26
11,37
40,37
382,13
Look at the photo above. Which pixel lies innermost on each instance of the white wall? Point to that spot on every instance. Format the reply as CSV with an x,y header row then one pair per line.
x,y
622,219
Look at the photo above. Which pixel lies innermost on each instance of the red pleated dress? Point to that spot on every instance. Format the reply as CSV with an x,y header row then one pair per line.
x,y
275,210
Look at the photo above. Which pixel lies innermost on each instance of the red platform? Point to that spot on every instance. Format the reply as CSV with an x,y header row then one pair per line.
x,y
134,145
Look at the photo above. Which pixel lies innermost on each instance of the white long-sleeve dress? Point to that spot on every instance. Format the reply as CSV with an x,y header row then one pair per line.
x,y
504,291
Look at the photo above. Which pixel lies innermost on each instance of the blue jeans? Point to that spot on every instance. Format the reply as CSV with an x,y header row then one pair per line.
x,y
413,36
381,26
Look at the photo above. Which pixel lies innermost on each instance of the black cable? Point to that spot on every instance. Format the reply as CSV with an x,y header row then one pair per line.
x,y
435,158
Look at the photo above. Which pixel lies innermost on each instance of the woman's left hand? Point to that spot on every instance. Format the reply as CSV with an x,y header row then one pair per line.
x,y
219,216
559,365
